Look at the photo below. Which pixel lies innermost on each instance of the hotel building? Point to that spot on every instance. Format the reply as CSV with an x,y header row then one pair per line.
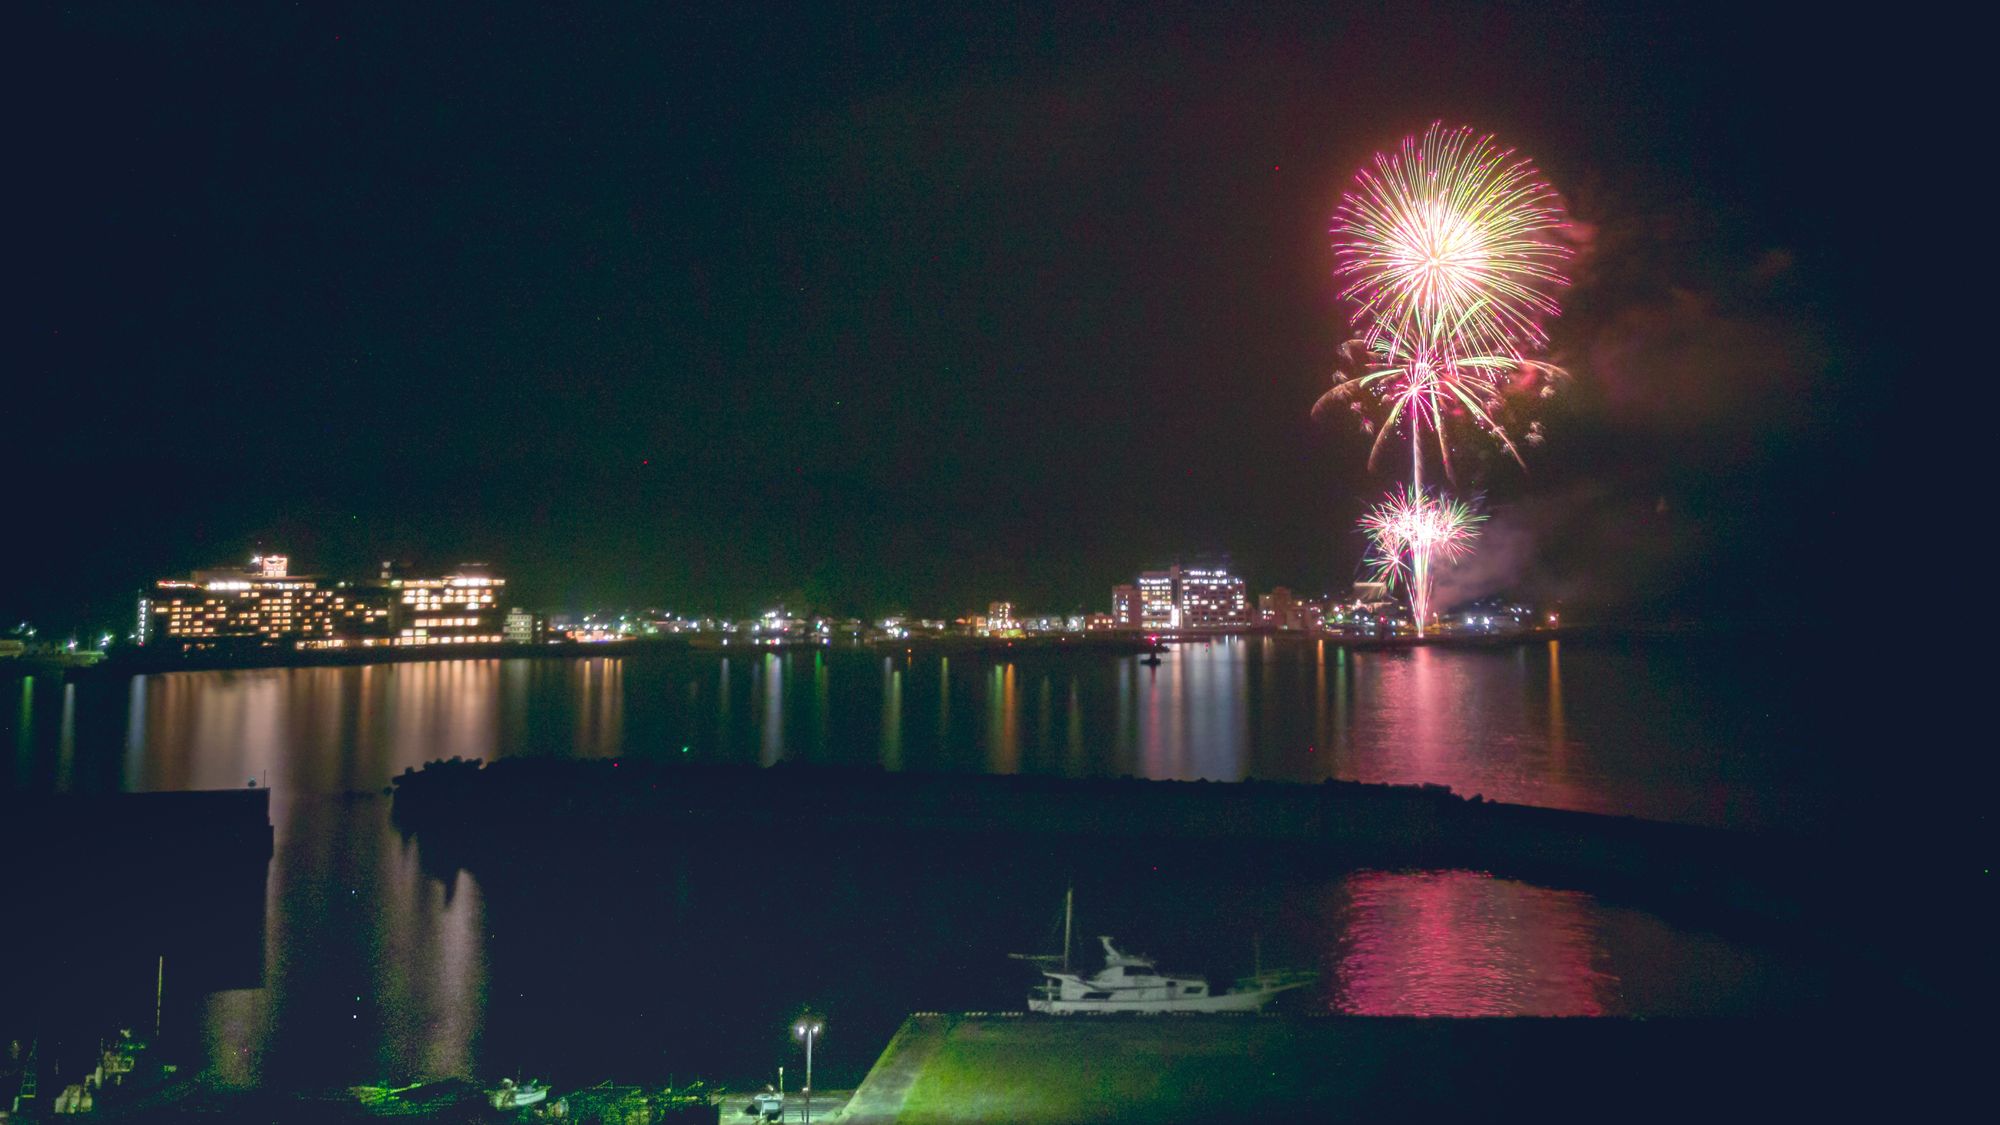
x,y
1182,598
458,609
1212,598
263,605
266,606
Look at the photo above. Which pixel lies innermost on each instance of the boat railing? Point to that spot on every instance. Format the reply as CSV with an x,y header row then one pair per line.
x,y
1276,979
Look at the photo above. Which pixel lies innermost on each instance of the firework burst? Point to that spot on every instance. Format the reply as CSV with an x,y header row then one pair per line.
x,y
1424,386
1451,254
1411,530
1449,244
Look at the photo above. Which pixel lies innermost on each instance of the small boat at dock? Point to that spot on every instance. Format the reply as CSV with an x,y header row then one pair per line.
x,y
1131,982
509,1095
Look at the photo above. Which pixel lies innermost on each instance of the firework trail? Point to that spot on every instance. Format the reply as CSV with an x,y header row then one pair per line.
x,y
1450,251
1429,386
1420,528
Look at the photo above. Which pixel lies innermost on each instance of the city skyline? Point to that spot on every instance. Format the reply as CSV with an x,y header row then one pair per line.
x,y
584,561
265,602
265,599
696,312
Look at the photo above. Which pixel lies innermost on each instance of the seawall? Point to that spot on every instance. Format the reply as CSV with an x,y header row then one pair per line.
x,y
1024,1069
514,802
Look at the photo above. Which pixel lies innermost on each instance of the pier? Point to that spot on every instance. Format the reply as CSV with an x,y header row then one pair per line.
x,y
945,1069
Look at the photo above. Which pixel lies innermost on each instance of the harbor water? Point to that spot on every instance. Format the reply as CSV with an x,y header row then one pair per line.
x,y
380,964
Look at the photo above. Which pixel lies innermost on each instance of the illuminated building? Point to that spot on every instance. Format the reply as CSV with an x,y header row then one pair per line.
x,y
1207,597
457,609
263,605
1212,598
1312,617
523,627
999,620
1278,609
1125,607
1159,600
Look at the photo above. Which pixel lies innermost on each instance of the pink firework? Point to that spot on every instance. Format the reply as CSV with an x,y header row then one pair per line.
x,y
1411,529
1421,386
1451,244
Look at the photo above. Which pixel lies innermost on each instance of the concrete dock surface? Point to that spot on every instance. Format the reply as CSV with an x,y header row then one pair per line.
x,y
827,1105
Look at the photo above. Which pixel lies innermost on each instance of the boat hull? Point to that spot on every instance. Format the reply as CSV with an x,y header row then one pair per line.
x,y
517,1097
1224,1002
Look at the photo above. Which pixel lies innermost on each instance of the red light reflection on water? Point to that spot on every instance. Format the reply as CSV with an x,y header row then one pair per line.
x,y
1459,943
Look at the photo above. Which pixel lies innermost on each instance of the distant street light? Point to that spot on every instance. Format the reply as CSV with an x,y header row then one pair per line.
x,y
809,1029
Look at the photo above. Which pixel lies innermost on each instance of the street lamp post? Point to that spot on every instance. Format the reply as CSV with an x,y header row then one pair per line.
x,y
809,1030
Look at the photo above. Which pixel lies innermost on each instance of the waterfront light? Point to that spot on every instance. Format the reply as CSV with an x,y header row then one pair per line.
x,y
809,1030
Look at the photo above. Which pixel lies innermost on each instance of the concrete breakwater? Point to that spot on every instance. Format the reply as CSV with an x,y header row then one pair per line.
x,y
510,803
944,1069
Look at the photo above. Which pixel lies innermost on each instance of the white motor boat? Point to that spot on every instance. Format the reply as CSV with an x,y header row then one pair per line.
x,y
508,1095
1133,983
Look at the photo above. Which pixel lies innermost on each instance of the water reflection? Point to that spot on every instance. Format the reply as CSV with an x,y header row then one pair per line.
x,y
352,915
1003,736
1456,943
1073,734
1503,724
722,743
66,739
24,745
1557,734
944,698
822,704
600,707
770,679
892,714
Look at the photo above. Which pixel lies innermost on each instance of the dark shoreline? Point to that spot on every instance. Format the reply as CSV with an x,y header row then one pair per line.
x,y
479,816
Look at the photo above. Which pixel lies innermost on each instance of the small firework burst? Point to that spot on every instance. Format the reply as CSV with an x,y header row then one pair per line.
x,y
1409,531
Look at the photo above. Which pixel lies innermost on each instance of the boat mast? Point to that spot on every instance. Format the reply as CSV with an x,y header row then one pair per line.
x,y
1069,904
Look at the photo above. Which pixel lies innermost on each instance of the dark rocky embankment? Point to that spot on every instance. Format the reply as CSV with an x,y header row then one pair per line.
x,y
513,804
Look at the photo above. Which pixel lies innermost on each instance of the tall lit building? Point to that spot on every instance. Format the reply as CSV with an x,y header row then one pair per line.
x,y
1212,598
1124,607
1206,597
1159,599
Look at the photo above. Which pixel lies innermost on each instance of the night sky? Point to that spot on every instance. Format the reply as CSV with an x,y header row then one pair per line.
x,y
906,308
